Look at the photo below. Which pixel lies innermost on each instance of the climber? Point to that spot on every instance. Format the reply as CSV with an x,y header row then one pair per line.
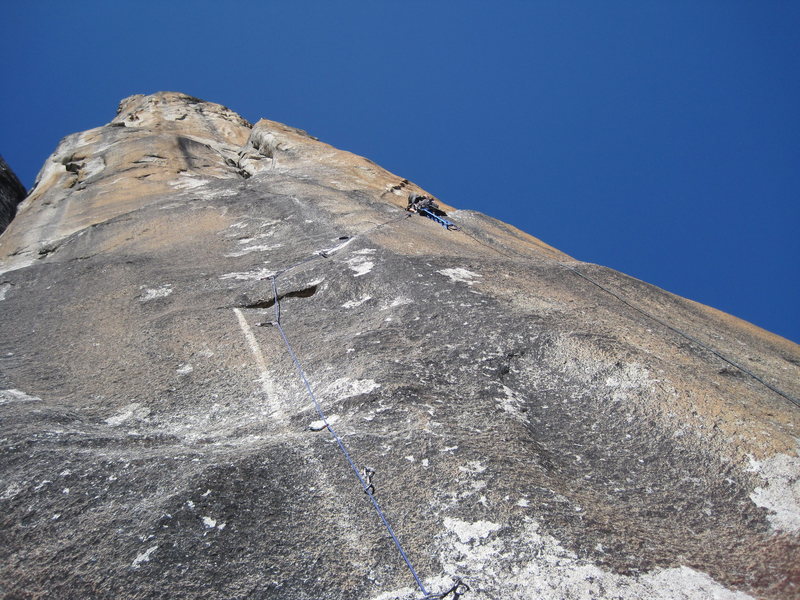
x,y
417,201
425,206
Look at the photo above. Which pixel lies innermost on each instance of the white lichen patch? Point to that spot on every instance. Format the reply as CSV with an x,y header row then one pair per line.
x,y
249,275
11,491
184,369
365,251
781,494
143,557
405,593
685,582
401,301
470,532
131,411
512,404
152,293
360,266
460,275
209,522
628,378
251,249
4,290
221,193
474,488
188,181
529,564
8,396
258,236
473,466
354,303
347,388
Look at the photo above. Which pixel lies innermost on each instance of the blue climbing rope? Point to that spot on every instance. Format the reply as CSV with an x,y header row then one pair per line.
x,y
459,588
440,220
368,488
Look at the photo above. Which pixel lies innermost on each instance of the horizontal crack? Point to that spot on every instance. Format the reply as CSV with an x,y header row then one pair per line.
x,y
304,293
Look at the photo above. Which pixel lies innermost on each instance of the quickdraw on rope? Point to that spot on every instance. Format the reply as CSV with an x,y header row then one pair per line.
x,y
366,474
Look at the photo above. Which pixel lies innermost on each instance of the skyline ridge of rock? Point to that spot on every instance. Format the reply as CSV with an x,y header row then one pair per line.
x,y
542,427
11,194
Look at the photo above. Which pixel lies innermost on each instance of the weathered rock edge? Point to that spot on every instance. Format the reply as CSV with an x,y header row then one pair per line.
x,y
11,194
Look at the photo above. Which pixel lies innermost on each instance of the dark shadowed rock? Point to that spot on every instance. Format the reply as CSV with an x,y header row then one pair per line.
x,y
541,427
11,193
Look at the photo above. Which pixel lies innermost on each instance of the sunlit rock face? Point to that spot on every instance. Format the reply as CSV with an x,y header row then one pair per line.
x,y
11,194
541,427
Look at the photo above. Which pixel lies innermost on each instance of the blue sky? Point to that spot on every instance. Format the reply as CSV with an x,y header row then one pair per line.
x,y
661,139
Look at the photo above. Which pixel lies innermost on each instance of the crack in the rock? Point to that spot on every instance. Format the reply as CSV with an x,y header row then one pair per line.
x,y
303,293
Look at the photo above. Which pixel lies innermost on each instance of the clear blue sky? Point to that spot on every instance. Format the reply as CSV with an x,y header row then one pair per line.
x,y
658,138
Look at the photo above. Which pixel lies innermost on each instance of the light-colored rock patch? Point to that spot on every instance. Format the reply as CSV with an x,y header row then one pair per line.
x,y
8,396
209,522
360,266
187,181
460,275
529,564
511,403
253,248
401,301
249,275
132,411
781,494
153,293
143,557
347,388
354,303
470,532
184,369
320,424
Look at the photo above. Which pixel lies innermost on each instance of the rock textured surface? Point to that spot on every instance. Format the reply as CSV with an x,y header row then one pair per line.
x,y
11,193
541,427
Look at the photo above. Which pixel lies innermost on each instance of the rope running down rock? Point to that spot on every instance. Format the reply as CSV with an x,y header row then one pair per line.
x,y
366,485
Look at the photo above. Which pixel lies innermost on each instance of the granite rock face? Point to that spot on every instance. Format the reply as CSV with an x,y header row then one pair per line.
x,y
541,427
11,194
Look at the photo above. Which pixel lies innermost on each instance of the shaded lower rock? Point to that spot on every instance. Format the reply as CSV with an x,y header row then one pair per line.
x,y
12,192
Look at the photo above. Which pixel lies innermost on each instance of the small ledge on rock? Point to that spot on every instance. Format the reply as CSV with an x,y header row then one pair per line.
x,y
320,425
